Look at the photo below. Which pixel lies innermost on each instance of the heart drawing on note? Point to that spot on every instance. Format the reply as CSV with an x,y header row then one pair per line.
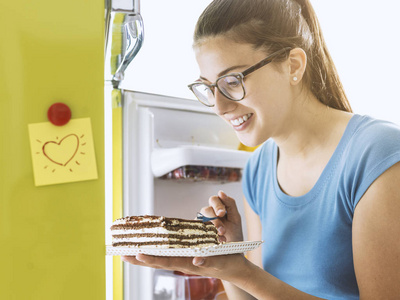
x,y
62,152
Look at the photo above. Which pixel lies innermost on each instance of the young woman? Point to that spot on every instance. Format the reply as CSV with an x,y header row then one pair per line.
x,y
323,189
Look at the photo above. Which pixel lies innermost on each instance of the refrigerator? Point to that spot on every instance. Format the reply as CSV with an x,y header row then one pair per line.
x,y
52,236
169,155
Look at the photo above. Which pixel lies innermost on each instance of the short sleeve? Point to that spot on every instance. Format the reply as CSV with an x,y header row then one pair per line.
x,y
374,148
248,183
254,176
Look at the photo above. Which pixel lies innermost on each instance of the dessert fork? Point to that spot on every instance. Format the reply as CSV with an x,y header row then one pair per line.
x,y
203,218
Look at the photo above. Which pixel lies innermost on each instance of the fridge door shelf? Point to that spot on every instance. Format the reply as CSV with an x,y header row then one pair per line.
x,y
198,163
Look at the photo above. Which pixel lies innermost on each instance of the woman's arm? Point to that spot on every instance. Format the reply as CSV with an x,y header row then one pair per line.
x,y
234,268
252,280
254,231
376,238
253,224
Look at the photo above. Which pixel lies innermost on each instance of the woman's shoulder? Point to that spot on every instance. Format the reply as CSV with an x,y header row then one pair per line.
x,y
368,124
372,147
370,134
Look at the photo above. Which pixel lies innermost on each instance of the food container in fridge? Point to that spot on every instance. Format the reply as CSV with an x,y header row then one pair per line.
x,y
179,286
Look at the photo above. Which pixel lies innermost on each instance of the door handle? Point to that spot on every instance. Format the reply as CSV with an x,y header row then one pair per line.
x,y
134,35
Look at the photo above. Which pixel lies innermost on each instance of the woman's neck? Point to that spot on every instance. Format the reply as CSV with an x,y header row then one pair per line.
x,y
310,137
310,127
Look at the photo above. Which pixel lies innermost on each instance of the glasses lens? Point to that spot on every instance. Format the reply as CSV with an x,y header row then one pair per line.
x,y
203,93
231,86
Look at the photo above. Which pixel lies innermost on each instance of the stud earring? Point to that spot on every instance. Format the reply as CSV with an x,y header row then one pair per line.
x,y
294,78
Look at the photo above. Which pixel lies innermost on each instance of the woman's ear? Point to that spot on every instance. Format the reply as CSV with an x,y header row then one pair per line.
x,y
297,65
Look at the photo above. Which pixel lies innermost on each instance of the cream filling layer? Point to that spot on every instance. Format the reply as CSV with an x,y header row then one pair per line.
x,y
160,230
143,220
160,239
166,246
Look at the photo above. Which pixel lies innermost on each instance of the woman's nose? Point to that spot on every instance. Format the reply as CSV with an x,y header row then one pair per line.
x,y
222,104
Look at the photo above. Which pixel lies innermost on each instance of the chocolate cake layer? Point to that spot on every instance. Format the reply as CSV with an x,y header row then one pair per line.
x,y
163,232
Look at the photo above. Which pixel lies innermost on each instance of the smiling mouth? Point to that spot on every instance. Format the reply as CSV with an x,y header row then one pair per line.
x,y
240,120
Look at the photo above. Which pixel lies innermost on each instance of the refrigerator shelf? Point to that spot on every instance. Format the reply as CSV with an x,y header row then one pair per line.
x,y
166,160
222,249
205,174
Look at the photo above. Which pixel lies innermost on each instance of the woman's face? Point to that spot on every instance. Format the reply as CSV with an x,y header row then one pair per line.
x,y
267,105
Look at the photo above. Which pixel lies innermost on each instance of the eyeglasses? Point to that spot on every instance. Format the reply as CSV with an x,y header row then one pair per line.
x,y
230,85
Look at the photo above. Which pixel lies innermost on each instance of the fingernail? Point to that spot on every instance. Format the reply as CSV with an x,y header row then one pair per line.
x,y
220,230
221,212
198,262
139,258
123,258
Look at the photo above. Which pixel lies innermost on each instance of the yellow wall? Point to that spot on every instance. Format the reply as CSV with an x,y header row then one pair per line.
x,y
51,237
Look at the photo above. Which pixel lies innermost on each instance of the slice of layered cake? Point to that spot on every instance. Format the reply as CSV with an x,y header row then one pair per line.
x,y
163,232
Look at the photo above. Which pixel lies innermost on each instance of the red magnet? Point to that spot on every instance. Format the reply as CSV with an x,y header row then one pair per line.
x,y
59,114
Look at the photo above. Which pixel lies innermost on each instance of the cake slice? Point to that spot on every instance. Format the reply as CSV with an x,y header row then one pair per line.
x,y
163,232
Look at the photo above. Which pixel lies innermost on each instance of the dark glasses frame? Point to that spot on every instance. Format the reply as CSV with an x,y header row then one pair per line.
x,y
239,75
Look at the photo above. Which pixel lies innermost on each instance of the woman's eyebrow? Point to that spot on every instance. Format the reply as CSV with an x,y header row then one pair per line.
x,y
225,71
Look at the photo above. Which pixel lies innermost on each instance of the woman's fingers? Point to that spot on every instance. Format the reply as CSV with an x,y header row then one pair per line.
x,y
187,265
229,203
216,262
158,262
218,206
164,262
229,220
217,267
209,212
222,239
135,261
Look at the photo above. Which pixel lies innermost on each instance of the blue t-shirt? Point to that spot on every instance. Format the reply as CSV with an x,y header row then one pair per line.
x,y
308,239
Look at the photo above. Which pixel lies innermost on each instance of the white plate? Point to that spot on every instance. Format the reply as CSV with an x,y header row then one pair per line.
x,y
223,249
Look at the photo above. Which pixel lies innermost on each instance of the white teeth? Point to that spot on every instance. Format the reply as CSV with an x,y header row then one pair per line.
x,y
240,120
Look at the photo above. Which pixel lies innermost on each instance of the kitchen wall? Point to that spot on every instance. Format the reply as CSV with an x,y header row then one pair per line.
x,y
166,64
362,37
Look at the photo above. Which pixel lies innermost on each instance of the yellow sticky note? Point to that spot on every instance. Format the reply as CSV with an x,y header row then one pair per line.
x,y
62,154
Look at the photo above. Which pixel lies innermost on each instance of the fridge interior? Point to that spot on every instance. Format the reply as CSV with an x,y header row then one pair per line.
x,y
153,125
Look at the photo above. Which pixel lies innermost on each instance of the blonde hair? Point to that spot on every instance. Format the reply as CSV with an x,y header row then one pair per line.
x,y
273,25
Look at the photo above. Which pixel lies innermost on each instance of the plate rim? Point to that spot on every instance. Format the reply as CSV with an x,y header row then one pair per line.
x,y
187,252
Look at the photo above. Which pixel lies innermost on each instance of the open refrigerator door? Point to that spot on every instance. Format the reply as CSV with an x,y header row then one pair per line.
x,y
177,153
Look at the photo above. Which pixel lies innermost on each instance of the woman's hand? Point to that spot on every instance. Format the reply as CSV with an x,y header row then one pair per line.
x,y
229,224
225,267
